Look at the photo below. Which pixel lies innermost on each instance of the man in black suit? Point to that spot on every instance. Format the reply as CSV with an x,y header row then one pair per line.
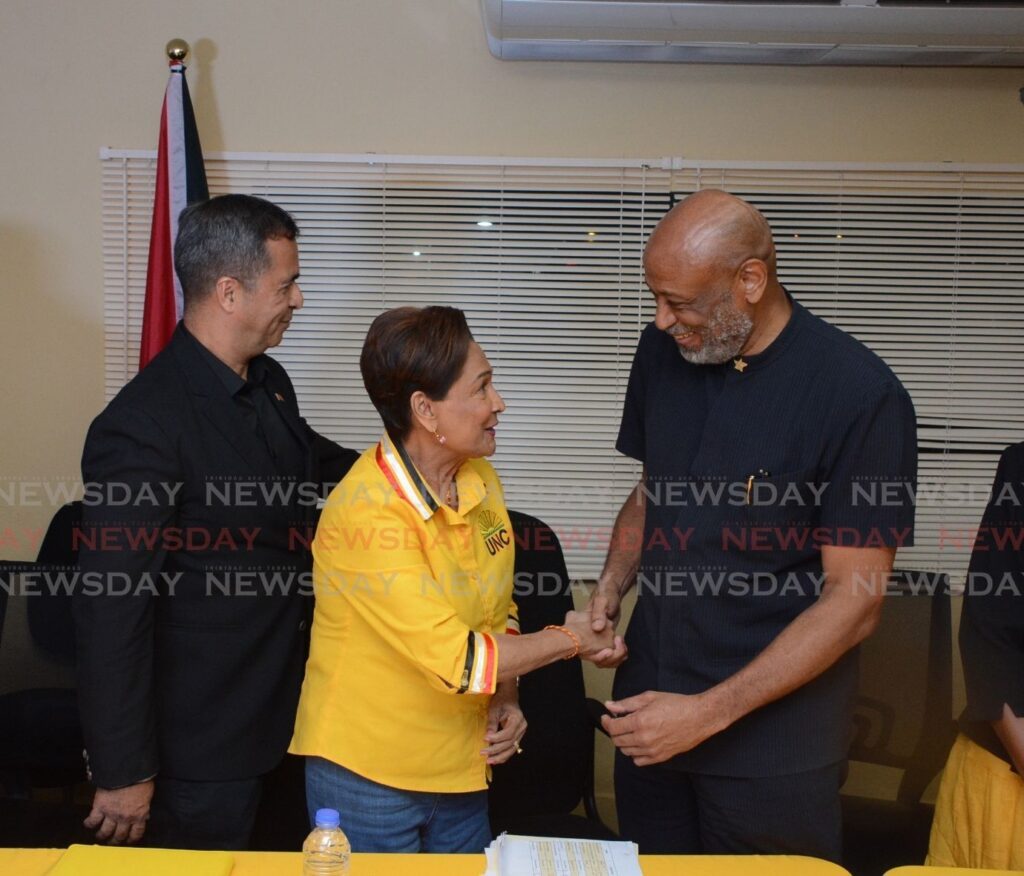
x,y
202,481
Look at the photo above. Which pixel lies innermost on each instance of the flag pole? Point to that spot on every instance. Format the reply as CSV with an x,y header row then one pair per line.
x,y
180,180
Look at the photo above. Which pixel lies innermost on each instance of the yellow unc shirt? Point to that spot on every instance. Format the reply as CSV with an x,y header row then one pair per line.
x,y
409,597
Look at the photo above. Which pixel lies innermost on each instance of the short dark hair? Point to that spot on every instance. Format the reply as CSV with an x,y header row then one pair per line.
x,y
226,237
410,349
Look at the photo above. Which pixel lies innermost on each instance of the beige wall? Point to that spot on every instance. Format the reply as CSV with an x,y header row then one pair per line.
x,y
375,75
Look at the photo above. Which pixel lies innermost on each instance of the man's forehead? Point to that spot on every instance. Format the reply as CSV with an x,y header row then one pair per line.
x,y
667,262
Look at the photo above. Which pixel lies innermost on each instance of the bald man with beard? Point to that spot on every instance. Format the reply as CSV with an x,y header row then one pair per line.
x,y
756,540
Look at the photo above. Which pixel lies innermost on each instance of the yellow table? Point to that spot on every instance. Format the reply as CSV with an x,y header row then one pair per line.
x,y
948,871
38,862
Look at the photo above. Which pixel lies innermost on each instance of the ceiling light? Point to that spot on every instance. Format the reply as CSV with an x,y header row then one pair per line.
x,y
485,223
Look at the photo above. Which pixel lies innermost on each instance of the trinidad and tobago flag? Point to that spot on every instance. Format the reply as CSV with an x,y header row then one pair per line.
x,y
180,181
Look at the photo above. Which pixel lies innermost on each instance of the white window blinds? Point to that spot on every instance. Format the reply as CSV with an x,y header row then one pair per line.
x,y
927,268
923,264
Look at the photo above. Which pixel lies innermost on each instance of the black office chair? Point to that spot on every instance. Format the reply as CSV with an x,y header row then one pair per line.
x,y
49,617
40,731
536,792
903,718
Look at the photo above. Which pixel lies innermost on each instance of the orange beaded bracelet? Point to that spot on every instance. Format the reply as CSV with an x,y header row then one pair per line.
x,y
571,635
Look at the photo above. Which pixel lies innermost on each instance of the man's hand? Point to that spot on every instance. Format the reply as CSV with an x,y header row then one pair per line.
x,y
505,726
119,816
653,727
605,607
594,646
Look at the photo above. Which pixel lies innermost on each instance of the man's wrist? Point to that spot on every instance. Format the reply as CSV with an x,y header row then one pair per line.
x,y
721,707
129,785
608,587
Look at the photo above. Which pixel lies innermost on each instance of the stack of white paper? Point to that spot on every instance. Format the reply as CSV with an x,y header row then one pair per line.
x,y
542,856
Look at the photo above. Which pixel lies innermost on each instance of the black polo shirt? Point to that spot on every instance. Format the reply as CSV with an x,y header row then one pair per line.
x,y
749,473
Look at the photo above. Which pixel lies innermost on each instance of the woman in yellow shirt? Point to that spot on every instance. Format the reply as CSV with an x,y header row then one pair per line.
x,y
979,813
410,687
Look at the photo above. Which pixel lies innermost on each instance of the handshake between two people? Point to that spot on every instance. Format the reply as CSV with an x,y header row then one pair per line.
x,y
653,726
594,631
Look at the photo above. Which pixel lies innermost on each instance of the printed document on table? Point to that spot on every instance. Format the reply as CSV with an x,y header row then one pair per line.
x,y
542,856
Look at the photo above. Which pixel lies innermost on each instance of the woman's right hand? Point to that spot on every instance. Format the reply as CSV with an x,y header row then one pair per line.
x,y
594,646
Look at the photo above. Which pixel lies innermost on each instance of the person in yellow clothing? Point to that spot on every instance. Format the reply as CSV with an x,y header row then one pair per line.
x,y
979,813
410,687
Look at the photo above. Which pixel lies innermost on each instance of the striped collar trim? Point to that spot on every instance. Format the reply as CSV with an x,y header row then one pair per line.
x,y
394,461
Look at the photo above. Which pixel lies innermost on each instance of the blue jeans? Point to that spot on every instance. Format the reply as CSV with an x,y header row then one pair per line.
x,y
379,818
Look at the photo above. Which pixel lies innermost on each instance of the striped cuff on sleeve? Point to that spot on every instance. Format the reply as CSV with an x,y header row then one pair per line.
x,y
481,673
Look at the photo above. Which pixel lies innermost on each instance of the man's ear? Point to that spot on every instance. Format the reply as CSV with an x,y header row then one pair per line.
x,y
423,411
753,279
227,292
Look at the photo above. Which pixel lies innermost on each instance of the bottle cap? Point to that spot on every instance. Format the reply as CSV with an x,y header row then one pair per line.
x,y
327,818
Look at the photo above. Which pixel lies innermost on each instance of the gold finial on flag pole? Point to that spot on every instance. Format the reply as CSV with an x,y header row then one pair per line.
x,y
176,50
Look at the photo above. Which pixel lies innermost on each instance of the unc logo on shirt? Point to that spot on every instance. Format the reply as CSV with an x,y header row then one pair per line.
x,y
494,532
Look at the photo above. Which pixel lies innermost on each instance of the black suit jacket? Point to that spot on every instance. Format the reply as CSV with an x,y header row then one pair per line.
x,y
191,616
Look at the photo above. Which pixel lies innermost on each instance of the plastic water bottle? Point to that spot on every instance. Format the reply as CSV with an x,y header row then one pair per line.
x,y
326,850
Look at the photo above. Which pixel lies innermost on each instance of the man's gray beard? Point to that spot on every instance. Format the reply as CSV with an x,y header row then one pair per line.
x,y
723,337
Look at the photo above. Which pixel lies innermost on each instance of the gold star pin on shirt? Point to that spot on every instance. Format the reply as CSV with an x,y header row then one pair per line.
x,y
739,364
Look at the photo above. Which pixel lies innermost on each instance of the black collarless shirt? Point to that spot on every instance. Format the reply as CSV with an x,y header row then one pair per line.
x,y
749,473
258,407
